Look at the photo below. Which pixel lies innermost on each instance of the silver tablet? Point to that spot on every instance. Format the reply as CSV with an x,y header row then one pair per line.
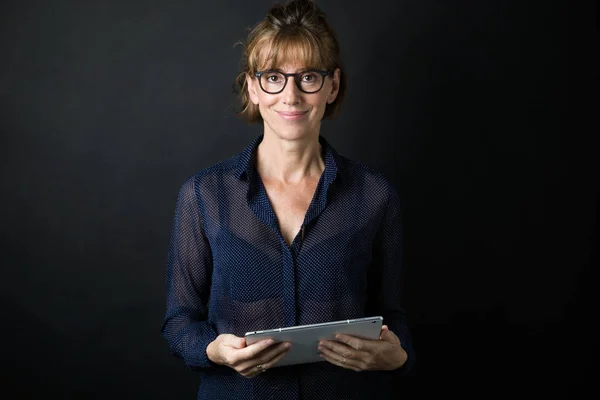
x,y
305,338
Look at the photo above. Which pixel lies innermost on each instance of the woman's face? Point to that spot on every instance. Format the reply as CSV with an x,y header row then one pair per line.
x,y
293,114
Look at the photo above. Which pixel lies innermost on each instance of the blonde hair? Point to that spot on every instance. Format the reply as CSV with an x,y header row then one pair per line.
x,y
294,32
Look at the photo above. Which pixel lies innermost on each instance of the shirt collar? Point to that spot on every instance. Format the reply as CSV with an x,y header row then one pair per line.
x,y
247,160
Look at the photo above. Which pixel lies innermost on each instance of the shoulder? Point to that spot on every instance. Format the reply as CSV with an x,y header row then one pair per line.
x,y
215,173
206,182
202,188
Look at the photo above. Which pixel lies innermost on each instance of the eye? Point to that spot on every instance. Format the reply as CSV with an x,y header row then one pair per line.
x,y
273,78
309,77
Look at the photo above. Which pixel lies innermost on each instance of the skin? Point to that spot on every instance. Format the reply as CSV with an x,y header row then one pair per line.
x,y
362,355
289,163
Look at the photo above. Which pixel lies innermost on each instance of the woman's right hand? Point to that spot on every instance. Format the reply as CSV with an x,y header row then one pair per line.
x,y
231,350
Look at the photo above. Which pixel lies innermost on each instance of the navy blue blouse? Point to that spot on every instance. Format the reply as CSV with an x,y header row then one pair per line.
x,y
229,270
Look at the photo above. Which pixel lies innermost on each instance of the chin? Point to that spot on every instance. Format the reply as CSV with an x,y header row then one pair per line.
x,y
289,133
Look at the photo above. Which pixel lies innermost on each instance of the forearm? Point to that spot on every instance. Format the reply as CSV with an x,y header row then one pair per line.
x,y
188,339
188,279
386,278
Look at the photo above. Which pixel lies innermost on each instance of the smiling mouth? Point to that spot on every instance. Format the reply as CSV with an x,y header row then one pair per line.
x,y
291,113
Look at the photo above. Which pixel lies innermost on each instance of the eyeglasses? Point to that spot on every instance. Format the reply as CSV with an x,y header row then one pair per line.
x,y
308,81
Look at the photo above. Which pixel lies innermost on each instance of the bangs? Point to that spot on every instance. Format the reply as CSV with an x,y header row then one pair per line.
x,y
296,48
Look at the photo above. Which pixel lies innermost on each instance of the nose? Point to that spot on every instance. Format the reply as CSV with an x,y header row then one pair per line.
x,y
291,94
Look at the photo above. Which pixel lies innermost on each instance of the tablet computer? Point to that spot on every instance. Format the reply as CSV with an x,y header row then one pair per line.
x,y
305,338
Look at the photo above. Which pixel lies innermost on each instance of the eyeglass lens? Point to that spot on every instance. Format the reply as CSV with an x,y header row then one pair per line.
x,y
273,82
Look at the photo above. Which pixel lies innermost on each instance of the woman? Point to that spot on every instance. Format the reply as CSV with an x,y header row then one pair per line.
x,y
288,232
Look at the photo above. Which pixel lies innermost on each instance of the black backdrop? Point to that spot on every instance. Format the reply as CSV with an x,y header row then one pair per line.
x,y
108,106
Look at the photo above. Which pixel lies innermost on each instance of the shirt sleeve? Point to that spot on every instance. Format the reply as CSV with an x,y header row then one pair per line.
x,y
188,279
386,281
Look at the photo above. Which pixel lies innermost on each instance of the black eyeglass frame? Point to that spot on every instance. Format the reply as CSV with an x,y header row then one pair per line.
x,y
296,76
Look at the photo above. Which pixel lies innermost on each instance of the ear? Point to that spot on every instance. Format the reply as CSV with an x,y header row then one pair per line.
x,y
251,85
335,86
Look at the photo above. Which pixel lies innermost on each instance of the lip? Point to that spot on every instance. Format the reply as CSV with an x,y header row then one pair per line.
x,y
291,115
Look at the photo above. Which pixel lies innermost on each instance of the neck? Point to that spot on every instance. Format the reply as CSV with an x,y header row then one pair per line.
x,y
289,161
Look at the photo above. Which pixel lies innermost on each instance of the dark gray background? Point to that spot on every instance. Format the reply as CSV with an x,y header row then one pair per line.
x,y
467,107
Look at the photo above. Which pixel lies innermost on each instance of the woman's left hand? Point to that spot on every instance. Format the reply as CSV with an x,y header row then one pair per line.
x,y
362,354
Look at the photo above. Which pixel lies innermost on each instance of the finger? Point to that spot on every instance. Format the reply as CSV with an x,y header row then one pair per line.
x,y
270,354
342,350
390,337
356,343
273,361
266,356
253,372
384,329
254,349
234,341
337,359
255,367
